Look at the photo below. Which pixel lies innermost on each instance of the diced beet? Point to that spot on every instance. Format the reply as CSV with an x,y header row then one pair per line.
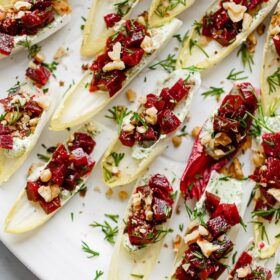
x,y
263,272
6,142
276,41
134,26
191,257
11,26
151,100
273,167
4,130
168,121
84,141
218,226
132,57
162,194
244,259
100,61
179,90
40,4
261,205
71,180
135,39
79,158
211,201
149,135
180,274
190,274
127,139
160,181
58,173
85,170
34,108
60,156
231,103
213,270
50,207
226,36
225,125
269,198
221,18
6,44
229,212
169,101
271,144
226,246
114,39
162,210
32,191
39,75
112,19
208,26
249,95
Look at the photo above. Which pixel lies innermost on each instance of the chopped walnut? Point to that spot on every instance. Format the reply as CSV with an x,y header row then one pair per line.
x,y
222,138
235,169
261,29
235,11
196,131
62,7
176,243
258,158
61,52
251,42
109,193
177,141
123,195
131,95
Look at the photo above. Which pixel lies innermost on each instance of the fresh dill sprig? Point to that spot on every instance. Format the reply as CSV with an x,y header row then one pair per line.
x,y
98,274
109,231
236,75
234,257
193,43
261,228
138,119
277,270
181,227
32,49
118,113
168,64
139,276
123,7
194,68
88,250
83,25
162,9
44,158
14,88
182,39
117,157
274,80
267,212
214,91
197,27
246,56
113,217
51,66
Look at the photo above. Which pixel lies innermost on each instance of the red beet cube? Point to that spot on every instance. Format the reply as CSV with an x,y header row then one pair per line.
x,y
32,191
211,201
190,274
39,75
268,197
190,256
231,103
79,158
179,90
271,144
244,259
34,108
6,142
132,57
111,19
149,135
249,95
134,26
229,212
84,141
225,125
40,4
218,226
160,181
276,41
154,101
6,44
50,207
71,180
213,270
113,40
135,39
221,18
261,205
226,36
169,101
60,156
4,130
226,246
162,194
99,62
273,167
127,139
168,121
162,210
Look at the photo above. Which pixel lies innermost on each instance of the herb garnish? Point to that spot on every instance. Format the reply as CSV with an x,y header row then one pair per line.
x,y
51,66
234,257
193,43
14,88
98,274
214,91
168,64
113,217
277,269
262,229
235,75
138,119
140,276
246,56
181,227
163,8
197,27
32,49
268,212
88,250
117,157
274,80
83,25
181,39
122,7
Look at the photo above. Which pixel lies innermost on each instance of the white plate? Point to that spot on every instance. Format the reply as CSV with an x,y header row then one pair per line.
x,y
53,252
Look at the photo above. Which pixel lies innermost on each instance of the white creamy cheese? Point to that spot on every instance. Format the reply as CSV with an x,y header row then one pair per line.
x,y
19,147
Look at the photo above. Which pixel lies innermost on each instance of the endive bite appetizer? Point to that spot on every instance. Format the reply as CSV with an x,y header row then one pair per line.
x,y
50,186
206,246
224,26
270,77
144,134
101,23
266,211
23,115
162,11
146,222
220,138
249,267
127,52
27,22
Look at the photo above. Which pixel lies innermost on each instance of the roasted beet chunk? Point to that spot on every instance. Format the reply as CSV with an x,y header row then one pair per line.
x,y
273,167
160,181
61,156
211,202
249,95
39,75
71,180
191,255
6,44
50,207
111,19
225,246
135,39
34,108
169,101
276,41
179,90
40,4
32,191
218,226
168,121
132,57
127,139
79,158
261,205
271,144
162,210
225,125
244,259
6,142
190,274
213,270
268,197
149,135
84,141
229,212
231,103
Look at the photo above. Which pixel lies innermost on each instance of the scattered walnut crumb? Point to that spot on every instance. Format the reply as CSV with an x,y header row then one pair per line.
x,y
177,141
61,52
61,83
40,58
165,245
33,167
251,42
97,189
130,95
196,131
258,158
247,144
178,210
123,195
260,29
235,169
85,67
62,7
176,243
109,193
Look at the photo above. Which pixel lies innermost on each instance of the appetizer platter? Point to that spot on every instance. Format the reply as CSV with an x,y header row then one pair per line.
x,y
145,164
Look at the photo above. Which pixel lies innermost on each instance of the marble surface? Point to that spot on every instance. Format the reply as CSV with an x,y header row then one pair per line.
x,y
11,268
